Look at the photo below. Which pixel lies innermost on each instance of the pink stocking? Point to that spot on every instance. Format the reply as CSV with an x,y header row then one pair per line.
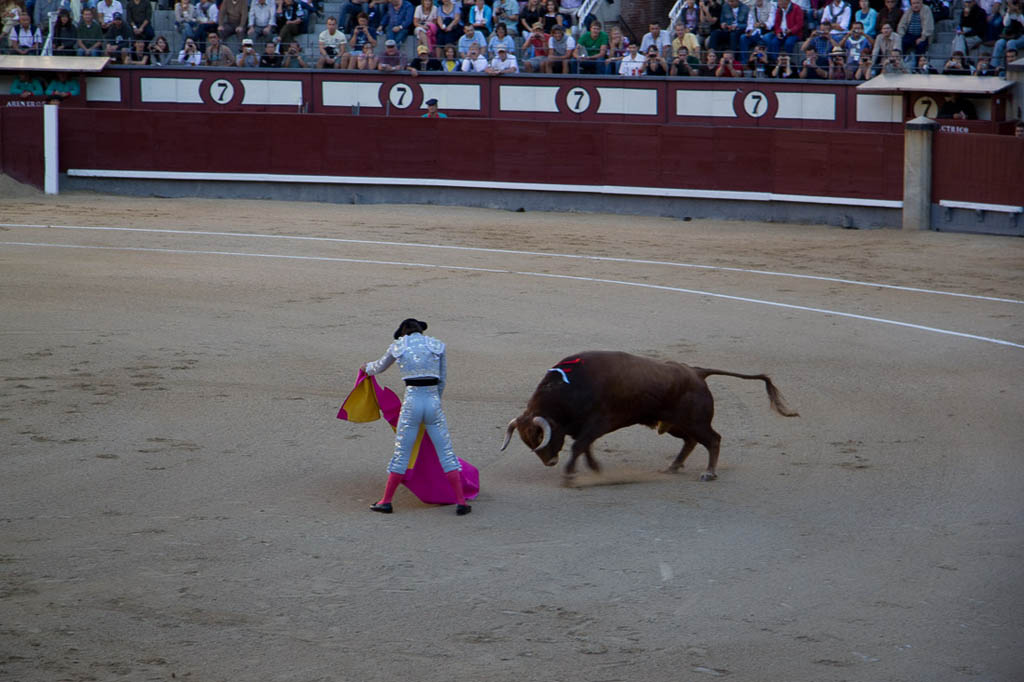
x,y
455,479
390,487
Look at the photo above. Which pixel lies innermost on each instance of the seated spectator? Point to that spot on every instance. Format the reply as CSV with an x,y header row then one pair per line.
x,y
684,64
820,39
424,22
500,38
138,54
684,37
787,28
689,16
262,21
63,86
709,66
535,49
864,67
185,18
891,13
139,17
232,18
480,16
727,67
710,13
470,37
868,18
270,59
105,11
760,20
1011,38
332,46
396,24
1010,58
661,41
916,28
757,64
894,62
292,58
732,24
361,35
956,65
958,107
783,68
118,38
391,60
424,61
159,52
924,66
837,65
291,22
838,14
655,64
530,14
449,24
475,61
217,53
248,58
65,35
190,54
503,62
811,66
633,63
561,52
26,85
25,38
618,47
507,12
592,50
450,61
984,67
553,17
207,15
972,27
887,40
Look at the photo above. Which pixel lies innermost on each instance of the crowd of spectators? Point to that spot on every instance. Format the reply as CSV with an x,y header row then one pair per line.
x,y
811,39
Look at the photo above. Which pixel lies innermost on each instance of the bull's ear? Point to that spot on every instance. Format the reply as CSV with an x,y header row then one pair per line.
x,y
509,431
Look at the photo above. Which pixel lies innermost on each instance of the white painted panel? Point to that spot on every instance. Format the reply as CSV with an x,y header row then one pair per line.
x,y
271,92
636,101
178,90
102,89
341,94
880,108
464,97
809,106
717,103
527,98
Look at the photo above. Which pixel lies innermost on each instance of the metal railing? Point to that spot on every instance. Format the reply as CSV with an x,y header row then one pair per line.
x,y
673,14
585,9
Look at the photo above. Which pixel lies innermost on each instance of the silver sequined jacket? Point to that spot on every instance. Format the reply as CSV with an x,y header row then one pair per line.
x,y
418,356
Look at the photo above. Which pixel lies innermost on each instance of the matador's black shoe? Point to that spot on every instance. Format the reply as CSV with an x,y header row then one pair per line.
x,y
462,509
382,507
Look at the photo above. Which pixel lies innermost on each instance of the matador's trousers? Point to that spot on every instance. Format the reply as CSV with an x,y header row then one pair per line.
x,y
422,404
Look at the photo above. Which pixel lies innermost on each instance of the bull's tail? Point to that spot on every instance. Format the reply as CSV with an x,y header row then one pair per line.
x,y
778,404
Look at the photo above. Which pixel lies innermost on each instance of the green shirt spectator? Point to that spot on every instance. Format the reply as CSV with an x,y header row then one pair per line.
x,y
26,85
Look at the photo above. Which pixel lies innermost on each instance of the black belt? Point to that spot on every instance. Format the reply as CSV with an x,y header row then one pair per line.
x,y
427,381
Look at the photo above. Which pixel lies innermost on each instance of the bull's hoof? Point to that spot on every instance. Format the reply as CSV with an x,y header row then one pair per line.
x,y
708,476
567,480
670,470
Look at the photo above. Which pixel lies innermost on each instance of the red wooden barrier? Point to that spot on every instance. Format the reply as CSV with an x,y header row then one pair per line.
x,y
977,168
21,144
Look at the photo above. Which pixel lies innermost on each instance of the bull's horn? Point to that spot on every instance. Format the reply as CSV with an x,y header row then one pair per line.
x,y
546,428
508,433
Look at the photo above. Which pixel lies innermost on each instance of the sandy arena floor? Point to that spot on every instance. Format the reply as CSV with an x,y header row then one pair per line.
x,y
178,501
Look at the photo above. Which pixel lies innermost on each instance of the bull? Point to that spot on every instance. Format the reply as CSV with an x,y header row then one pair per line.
x,y
588,395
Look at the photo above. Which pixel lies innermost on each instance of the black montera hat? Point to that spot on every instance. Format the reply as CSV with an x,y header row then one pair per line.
x,y
410,323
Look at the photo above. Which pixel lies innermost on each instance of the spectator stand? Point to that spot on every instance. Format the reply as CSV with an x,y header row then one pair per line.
x,y
11,65
919,95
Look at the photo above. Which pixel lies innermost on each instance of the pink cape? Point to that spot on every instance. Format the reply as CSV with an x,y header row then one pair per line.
x,y
424,477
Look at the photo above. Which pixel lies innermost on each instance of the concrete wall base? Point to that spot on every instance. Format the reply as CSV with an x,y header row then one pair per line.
x,y
853,217
945,219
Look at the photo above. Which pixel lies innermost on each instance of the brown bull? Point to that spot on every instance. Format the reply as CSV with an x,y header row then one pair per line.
x,y
593,393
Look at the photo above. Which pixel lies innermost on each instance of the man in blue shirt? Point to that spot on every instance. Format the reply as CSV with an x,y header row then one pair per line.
x,y
397,21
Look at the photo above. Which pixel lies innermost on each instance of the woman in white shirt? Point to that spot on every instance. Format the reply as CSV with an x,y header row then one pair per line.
x,y
190,55
425,21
